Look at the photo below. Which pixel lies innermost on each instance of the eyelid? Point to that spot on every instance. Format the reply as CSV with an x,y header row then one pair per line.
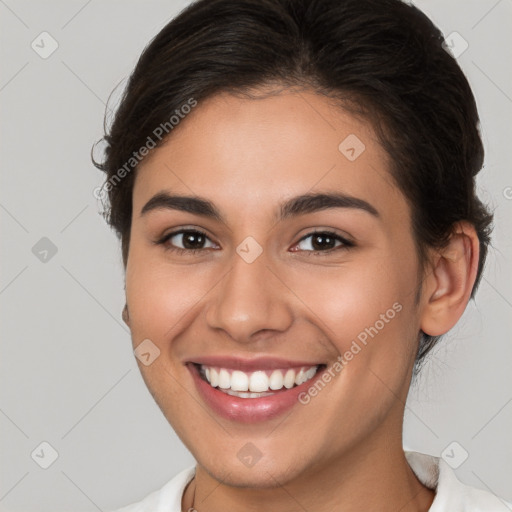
x,y
331,231
181,229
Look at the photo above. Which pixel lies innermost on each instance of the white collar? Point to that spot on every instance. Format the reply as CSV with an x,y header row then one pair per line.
x,y
451,494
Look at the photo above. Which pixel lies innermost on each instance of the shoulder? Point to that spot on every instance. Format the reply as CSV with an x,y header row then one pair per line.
x,y
451,494
166,499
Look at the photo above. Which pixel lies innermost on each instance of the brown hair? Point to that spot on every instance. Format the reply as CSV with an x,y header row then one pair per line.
x,y
382,58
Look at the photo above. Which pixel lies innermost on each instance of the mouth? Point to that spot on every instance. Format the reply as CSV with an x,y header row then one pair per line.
x,y
256,384
253,394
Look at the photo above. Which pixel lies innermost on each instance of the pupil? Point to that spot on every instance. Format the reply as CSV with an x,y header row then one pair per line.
x,y
322,242
193,240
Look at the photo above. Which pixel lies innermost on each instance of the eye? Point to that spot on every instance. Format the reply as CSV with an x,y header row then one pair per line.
x,y
192,241
323,241
186,240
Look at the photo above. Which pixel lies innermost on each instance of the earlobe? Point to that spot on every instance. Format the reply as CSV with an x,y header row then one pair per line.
x,y
125,316
450,282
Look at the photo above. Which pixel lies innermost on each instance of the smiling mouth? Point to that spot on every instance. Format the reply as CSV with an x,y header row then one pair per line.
x,y
256,384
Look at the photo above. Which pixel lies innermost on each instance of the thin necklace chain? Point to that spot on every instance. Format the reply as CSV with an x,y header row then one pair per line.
x,y
192,508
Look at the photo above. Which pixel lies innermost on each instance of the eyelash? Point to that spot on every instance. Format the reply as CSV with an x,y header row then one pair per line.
x,y
346,244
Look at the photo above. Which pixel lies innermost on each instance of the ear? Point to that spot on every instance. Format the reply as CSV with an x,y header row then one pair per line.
x,y
449,284
125,315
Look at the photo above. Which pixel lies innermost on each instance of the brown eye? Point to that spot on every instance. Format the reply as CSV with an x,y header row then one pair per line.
x,y
192,239
323,241
186,240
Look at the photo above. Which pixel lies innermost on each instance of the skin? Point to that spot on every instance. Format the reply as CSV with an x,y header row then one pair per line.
x,y
343,450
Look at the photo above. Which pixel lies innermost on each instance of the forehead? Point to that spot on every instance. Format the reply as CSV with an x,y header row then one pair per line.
x,y
246,153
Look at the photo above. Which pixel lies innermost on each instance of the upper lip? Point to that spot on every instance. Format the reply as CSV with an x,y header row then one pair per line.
x,y
256,363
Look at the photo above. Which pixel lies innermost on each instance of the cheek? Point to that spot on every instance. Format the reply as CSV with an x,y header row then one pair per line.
x,y
366,310
348,299
160,298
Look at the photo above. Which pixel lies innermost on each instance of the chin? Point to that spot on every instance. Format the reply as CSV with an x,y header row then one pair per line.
x,y
260,476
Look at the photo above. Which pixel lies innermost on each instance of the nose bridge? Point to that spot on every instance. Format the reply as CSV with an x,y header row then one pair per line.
x,y
248,299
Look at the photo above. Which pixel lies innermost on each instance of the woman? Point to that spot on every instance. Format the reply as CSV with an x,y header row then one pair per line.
x,y
293,184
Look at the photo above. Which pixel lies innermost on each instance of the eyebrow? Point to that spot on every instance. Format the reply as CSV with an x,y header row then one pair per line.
x,y
299,205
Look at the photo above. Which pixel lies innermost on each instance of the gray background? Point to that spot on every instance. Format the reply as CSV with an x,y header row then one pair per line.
x,y
68,375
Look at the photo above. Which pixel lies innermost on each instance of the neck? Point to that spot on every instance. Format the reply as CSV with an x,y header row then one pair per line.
x,y
377,478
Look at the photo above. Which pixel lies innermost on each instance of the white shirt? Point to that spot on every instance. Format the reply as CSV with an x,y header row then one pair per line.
x,y
433,472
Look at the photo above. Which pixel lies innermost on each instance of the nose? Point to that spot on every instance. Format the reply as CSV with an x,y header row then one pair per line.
x,y
248,300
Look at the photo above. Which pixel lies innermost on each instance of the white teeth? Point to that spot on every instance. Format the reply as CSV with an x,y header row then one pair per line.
x,y
212,377
310,373
276,380
239,381
301,377
257,383
289,379
224,379
242,394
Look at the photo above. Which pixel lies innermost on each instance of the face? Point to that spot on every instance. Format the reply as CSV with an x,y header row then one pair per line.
x,y
258,279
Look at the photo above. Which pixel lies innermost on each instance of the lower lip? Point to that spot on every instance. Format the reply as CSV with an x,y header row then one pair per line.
x,y
248,410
